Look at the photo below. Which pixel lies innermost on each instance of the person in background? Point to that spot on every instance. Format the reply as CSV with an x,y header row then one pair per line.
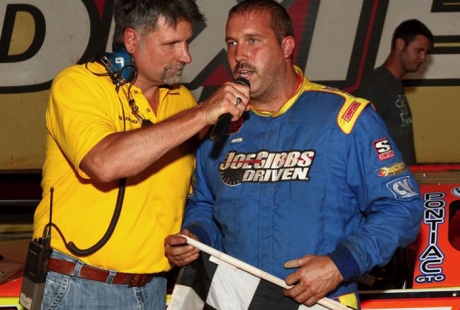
x,y
119,160
383,86
310,187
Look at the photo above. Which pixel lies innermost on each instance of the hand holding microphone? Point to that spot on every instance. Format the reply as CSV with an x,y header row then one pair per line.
x,y
223,122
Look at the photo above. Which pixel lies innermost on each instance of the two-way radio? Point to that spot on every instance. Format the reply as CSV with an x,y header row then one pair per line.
x,y
36,268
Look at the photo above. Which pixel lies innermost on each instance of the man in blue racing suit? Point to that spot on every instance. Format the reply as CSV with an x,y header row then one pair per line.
x,y
310,177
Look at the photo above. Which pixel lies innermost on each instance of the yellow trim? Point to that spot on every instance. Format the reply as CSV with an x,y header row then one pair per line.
x,y
349,113
349,300
12,302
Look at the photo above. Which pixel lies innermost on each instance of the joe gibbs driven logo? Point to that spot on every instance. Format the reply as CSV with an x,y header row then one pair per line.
x,y
265,166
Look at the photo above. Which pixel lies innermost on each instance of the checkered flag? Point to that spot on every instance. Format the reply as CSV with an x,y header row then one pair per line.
x,y
217,281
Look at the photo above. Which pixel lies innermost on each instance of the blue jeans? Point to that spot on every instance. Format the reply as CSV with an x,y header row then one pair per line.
x,y
67,292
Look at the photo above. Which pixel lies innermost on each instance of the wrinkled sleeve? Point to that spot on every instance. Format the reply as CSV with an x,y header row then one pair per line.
x,y
77,118
387,194
198,218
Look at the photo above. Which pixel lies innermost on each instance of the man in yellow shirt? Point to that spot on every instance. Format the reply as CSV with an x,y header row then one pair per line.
x,y
119,159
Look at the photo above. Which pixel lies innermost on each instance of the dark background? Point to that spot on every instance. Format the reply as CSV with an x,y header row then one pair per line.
x,y
20,193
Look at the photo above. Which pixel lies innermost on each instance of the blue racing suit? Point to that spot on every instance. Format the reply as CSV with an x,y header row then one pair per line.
x,y
321,176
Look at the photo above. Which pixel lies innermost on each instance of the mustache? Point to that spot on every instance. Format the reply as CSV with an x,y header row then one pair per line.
x,y
243,66
179,66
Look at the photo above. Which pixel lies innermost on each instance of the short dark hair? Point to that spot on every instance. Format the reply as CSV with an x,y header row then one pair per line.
x,y
142,15
408,30
280,21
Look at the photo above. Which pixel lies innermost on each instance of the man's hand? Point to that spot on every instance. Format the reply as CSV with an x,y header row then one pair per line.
x,y
177,250
230,98
316,276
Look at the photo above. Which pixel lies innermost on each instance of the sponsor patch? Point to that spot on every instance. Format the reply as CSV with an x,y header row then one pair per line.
x,y
393,170
383,149
265,166
401,188
351,110
237,140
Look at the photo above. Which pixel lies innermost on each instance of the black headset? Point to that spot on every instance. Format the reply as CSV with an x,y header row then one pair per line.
x,y
119,64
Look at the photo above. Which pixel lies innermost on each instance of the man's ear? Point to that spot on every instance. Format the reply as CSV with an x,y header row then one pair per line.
x,y
399,44
130,38
288,45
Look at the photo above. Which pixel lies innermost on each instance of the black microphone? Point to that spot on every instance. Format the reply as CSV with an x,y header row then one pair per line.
x,y
221,126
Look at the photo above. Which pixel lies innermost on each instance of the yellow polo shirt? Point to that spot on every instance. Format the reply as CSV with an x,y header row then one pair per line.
x,y
83,109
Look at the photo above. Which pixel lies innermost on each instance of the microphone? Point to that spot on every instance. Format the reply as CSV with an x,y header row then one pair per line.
x,y
221,126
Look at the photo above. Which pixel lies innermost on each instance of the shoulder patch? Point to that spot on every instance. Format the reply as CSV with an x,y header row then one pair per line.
x,y
350,112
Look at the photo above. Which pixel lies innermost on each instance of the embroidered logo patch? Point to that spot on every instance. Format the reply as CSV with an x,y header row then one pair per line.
x,y
383,149
401,188
394,169
266,167
348,115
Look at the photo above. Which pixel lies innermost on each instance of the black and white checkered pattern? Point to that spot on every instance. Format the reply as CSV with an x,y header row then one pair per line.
x,y
211,284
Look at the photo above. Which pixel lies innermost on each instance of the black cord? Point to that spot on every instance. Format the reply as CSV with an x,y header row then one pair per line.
x,y
116,215
121,192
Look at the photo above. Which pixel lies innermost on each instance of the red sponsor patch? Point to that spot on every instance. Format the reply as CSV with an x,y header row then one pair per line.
x,y
348,115
383,149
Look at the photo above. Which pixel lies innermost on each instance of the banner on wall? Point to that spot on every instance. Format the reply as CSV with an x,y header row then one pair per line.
x,y
336,45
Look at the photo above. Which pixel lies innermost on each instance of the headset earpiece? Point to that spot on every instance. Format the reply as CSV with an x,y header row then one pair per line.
x,y
119,64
